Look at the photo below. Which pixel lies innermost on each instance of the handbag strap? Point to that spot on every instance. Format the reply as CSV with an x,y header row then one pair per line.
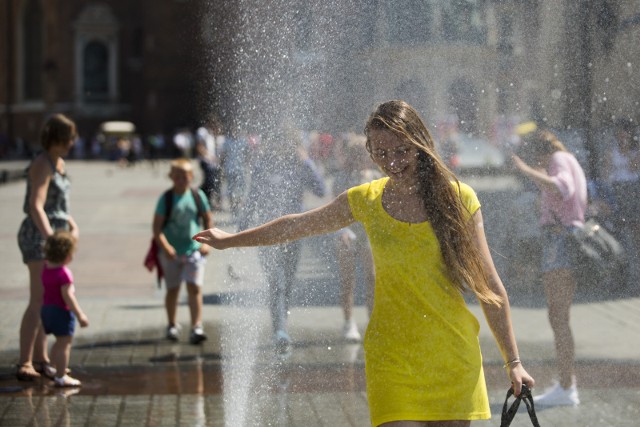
x,y
509,412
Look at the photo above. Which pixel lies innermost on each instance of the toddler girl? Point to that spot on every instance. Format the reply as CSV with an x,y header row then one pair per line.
x,y
59,305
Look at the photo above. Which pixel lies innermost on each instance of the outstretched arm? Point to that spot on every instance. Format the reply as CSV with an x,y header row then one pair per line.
x,y
539,176
499,318
330,217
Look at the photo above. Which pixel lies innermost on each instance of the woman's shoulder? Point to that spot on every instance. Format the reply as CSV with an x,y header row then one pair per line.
x,y
463,188
372,187
467,195
41,166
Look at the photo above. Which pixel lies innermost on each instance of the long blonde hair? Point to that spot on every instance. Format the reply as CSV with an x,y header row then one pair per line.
x,y
443,205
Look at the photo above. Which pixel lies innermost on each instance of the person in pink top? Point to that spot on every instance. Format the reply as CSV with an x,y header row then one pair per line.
x,y
563,187
59,305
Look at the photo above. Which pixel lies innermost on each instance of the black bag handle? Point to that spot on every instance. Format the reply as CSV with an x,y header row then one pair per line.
x,y
509,412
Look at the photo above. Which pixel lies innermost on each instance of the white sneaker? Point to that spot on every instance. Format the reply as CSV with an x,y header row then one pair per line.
x,y
350,331
197,335
173,332
558,396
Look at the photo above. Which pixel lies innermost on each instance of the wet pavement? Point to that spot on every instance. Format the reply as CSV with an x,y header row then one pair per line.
x,y
132,376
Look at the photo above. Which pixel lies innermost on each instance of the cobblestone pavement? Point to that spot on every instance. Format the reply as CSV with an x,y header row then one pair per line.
x,y
132,376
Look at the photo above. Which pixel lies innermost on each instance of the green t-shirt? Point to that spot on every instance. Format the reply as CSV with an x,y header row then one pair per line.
x,y
183,221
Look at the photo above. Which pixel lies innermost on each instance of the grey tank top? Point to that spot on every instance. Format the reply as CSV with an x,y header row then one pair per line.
x,y
56,206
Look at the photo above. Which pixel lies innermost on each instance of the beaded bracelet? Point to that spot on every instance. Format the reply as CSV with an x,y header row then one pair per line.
x,y
511,362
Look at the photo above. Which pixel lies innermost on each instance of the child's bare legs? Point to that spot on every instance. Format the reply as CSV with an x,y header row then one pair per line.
x,y
60,353
33,341
195,304
171,304
195,307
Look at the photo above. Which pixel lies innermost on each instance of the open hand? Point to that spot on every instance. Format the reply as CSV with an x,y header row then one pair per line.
x,y
213,237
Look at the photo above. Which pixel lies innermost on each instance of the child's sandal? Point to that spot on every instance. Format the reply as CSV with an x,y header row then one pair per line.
x,y
66,381
45,369
26,372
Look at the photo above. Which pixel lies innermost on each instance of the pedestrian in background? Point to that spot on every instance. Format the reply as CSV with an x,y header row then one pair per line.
x,y
233,158
563,188
622,176
422,355
353,167
282,173
46,205
60,308
181,259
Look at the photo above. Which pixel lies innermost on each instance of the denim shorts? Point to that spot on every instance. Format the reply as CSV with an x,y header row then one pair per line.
x,y
57,320
185,268
557,251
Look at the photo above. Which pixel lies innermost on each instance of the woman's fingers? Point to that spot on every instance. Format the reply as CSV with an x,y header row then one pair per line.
x,y
203,236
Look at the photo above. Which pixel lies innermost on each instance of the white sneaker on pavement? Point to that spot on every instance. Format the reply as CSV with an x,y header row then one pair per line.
x,y
350,331
173,332
558,396
197,335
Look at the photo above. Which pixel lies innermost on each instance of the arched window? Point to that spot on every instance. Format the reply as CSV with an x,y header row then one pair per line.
x,y
96,52
32,51
95,71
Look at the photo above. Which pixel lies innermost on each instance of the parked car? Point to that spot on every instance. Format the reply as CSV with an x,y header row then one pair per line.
x,y
478,154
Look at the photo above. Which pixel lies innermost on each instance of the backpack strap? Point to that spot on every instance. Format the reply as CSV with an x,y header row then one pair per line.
x,y
168,205
202,212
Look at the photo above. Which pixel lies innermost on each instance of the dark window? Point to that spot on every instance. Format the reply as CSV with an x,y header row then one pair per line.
x,y
95,71
410,21
32,50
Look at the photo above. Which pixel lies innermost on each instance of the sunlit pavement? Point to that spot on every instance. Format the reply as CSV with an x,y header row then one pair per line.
x,y
132,376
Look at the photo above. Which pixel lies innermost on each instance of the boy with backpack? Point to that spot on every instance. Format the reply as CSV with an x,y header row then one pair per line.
x,y
181,258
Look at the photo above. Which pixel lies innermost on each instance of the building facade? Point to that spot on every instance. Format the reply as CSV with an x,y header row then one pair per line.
x,y
474,64
97,61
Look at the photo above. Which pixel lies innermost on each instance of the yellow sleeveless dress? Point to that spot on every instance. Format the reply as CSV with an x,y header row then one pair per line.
x,y
422,354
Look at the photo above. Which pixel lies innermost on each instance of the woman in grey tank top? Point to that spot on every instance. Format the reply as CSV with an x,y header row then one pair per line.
x,y
46,206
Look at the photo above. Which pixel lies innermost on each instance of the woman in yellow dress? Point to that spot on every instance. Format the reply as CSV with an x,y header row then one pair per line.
x,y
422,355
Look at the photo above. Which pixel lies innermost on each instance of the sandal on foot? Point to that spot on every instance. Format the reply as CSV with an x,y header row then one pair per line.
x,y
26,372
66,381
45,369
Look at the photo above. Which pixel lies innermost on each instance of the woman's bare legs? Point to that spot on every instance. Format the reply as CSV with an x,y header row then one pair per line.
x,y
560,286
347,270
456,423
33,341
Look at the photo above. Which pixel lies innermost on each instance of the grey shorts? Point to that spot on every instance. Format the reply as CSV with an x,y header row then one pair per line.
x,y
557,252
185,268
31,241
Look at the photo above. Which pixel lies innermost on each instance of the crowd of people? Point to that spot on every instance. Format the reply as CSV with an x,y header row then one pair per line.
x,y
398,210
